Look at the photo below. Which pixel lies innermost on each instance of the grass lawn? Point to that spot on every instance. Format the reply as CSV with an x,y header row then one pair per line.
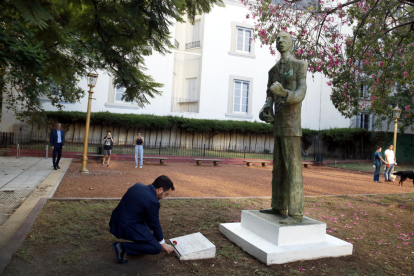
x,y
368,167
72,238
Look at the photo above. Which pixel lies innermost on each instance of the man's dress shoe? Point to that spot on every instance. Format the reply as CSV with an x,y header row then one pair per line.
x,y
57,166
119,252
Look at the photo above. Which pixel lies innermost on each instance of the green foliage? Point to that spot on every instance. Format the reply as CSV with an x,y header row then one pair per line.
x,y
51,44
343,136
159,122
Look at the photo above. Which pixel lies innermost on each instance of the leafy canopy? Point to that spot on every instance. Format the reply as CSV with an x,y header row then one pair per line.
x,y
47,46
352,42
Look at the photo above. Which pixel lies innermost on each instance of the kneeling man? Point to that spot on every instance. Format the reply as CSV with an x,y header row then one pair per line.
x,y
136,218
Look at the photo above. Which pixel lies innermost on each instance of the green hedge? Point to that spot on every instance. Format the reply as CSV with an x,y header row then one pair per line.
x,y
162,122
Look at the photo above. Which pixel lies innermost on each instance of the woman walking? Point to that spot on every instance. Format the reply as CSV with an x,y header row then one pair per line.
x,y
378,163
108,143
139,150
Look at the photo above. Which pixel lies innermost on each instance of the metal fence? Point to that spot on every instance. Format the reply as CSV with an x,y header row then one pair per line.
x,y
27,142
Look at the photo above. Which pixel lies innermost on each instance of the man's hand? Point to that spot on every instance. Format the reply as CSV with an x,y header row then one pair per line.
x,y
167,248
63,147
278,90
53,147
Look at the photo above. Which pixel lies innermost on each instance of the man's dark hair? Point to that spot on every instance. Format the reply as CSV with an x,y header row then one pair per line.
x,y
390,145
378,147
108,131
164,182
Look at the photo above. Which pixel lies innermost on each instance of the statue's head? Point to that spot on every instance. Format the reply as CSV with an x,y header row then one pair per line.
x,y
284,42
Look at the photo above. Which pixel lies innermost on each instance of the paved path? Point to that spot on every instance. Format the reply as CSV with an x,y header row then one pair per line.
x,y
18,178
23,182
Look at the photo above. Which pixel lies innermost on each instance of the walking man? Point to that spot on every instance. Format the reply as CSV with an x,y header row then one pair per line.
x,y
57,141
136,218
390,158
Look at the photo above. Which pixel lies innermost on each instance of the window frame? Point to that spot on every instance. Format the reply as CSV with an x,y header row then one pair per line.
x,y
245,30
231,96
240,101
233,44
113,103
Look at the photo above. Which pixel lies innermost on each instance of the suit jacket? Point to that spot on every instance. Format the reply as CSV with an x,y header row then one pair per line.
x,y
54,137
288,110
137,214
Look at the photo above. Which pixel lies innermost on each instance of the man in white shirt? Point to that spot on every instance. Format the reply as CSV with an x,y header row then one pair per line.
x,y
390,158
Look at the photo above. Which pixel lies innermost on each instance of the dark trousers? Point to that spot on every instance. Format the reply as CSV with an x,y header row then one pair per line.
x,y
57,150
287,183
377,171
152,247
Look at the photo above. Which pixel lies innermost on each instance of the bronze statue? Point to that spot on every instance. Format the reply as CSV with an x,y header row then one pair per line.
x,y
286,90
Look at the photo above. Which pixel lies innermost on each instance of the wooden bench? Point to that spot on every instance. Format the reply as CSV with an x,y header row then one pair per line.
x,y
215,161
249,162
91,154
307,163
156,158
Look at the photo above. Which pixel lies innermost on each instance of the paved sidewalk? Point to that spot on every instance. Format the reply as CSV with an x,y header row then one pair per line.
x,y
23,182
18,178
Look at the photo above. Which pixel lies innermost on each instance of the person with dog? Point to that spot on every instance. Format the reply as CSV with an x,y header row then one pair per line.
x,y
108,143
390,158
378,162
136,218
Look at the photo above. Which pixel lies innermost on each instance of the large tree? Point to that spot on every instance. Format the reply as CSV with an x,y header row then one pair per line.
x,y
46,46
354,43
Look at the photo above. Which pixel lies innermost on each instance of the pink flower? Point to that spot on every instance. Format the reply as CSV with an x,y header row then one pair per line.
x,y
262,32
405,73
381,63
301,269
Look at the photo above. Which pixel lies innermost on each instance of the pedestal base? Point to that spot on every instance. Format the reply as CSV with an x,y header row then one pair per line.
x,y
262,235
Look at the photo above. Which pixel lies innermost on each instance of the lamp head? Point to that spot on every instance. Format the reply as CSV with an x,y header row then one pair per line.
x,y
92,78
396,112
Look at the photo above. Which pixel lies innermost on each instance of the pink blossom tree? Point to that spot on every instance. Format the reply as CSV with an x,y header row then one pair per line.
x,y
354,43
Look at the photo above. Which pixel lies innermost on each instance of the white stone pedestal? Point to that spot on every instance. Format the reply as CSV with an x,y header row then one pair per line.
x,y
262,236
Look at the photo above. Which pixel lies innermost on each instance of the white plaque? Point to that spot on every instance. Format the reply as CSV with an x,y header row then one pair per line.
x,y
193,247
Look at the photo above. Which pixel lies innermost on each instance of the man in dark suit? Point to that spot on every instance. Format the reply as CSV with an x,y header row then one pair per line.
x,y
136,218
286,90
57,141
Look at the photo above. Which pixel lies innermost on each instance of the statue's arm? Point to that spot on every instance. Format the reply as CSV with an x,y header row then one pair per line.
x,y
269,84
298,95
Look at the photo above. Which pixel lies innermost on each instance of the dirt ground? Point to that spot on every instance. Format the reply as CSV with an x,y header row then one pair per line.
x,y
72,238
210,181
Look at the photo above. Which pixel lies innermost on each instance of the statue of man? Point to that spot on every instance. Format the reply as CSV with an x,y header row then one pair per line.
x,y
286,90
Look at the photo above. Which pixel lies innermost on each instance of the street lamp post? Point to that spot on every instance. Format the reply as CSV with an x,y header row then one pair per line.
x,y
396,112
91,78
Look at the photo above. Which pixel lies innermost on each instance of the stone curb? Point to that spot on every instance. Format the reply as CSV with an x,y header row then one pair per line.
x,y
59,179
7,251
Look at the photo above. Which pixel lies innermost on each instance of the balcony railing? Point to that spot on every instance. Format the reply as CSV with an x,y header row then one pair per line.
x,y
176,44
194,44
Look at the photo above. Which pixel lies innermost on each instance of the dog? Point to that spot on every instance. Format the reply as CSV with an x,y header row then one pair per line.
x,y
404,175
